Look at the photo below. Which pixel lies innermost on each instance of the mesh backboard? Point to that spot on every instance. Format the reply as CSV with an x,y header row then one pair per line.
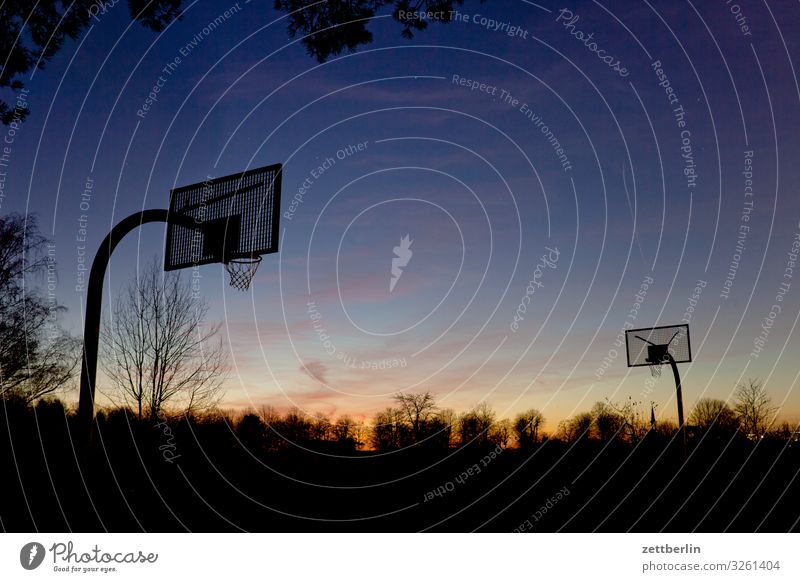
x,y
233,217
649,342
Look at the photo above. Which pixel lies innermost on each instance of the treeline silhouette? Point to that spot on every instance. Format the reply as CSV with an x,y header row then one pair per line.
x,y
411,467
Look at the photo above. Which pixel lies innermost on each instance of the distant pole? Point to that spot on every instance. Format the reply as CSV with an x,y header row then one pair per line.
x,y
94,304
679,393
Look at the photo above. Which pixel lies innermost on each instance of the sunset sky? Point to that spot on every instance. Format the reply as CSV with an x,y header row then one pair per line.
x,y
647,192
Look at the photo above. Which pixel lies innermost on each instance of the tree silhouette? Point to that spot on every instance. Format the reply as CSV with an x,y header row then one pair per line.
x,y
417,411
754,408
502,432
158,350
295,427
31,33
713,414
527,425
389,431
475,424
787,431
446,420
251,431
321,428
335,26
271,419
632,418
36,357
607,421
576,428
344,428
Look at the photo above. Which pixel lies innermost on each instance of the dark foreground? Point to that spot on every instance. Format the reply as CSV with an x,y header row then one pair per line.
x,y
201,476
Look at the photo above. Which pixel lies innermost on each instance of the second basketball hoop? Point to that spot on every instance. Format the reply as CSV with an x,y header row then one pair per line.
x,y
655,346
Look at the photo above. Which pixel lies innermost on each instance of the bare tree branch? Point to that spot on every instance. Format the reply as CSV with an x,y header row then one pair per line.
x,y
158,349
754,408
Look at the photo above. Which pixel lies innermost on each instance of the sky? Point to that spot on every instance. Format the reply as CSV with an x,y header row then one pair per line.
x,y
560,171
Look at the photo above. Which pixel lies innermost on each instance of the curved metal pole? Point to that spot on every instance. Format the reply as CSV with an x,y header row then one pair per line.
x,y
679,393
94,303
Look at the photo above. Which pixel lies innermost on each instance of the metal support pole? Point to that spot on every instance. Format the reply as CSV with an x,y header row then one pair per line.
x,y
94,303
679,393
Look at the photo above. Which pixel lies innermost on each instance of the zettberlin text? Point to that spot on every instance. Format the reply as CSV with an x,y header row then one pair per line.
x,y
684,549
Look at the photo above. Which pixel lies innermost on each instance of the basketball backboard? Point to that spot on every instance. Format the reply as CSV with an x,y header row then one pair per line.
x,y
236,218
649,345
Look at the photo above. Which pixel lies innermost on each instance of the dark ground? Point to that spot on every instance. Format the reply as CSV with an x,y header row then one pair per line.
x,y
217,484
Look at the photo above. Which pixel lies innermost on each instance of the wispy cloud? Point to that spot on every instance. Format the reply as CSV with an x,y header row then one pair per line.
x,y
315,370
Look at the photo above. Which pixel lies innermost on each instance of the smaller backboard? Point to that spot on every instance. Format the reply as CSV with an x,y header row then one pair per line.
x,y
649,345
233,217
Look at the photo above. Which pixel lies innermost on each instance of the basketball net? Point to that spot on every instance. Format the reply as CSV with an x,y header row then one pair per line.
x,y
242,271
655,367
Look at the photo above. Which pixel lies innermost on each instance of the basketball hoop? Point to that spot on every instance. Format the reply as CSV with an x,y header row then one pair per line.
x,y
242,271
657,346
